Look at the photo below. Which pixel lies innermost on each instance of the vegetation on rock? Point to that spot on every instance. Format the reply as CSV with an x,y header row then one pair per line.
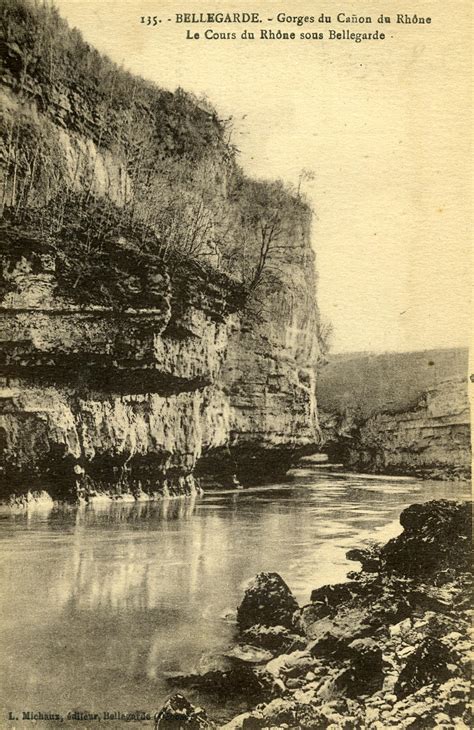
x,y
100,165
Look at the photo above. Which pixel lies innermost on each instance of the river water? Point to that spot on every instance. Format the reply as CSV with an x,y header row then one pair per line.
x,y
101,604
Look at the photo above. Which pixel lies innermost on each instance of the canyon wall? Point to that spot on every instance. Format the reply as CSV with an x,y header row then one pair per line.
x,y
399,413
145,349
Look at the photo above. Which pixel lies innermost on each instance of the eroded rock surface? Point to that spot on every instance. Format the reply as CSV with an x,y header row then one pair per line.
x,y
398,413
135,362
390,648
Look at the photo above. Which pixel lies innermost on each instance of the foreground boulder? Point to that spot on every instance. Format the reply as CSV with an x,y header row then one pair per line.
x,y
276,639
239,681
179,714
365,672
431,662
436,538
267,601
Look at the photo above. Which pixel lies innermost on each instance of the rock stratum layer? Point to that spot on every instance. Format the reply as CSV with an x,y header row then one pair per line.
x,y
158,319
405,413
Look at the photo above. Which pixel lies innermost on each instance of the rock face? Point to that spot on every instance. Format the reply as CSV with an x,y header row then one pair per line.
x,y
416,422
132,371
138,399
108,400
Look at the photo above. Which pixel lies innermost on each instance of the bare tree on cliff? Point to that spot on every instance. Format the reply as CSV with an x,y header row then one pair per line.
x,y
306,176
269,214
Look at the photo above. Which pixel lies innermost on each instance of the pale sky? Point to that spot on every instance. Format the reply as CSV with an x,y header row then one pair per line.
x,y
385,125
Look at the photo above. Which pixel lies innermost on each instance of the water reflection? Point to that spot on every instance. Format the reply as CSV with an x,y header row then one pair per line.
x,y
105,600
102,512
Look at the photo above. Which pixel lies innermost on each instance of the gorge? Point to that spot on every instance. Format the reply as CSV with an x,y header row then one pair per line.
x,y
176,551
159,325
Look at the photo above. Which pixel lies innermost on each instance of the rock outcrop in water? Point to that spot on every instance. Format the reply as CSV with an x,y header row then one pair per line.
x,y
267,602
145,338
389,648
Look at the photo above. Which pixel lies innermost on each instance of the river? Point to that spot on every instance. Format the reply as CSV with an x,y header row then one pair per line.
x,y
100,604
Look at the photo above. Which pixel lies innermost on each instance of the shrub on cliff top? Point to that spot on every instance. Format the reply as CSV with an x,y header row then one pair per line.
x,y
49,63
105,257
183,199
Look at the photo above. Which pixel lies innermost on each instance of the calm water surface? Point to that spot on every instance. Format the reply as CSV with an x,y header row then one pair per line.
x,y
102,603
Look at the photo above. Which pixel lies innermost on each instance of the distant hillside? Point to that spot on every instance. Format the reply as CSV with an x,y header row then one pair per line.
x,y
389,382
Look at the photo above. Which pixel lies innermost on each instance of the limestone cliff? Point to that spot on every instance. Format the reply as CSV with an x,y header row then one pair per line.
x,y
406,413
144,342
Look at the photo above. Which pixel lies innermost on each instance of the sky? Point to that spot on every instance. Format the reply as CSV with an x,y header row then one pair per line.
x,y
384,125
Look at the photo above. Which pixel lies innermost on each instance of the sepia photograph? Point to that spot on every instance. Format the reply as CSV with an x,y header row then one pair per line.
x,y
235,319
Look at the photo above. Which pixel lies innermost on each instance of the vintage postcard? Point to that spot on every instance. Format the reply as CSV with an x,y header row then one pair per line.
x,y
235,316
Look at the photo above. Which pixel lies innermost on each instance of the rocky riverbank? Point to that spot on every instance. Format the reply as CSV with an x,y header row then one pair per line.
x,y
389,648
